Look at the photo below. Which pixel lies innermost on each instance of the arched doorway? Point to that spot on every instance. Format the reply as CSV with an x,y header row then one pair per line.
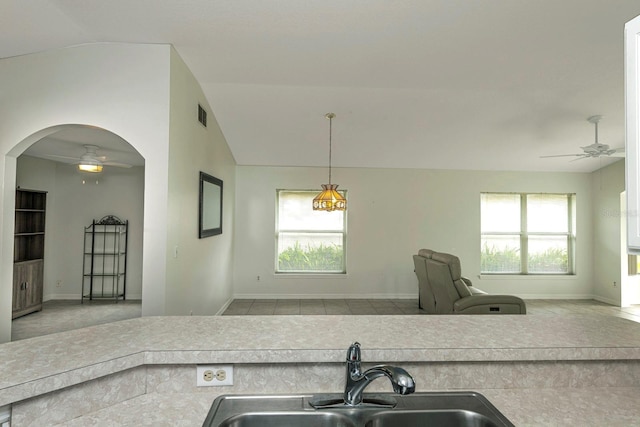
x,y
74,199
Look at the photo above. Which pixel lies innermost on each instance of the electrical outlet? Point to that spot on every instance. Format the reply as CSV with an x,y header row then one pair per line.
x,y
58,283
212,376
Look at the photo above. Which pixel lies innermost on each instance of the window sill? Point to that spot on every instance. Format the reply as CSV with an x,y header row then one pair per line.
x,y
527,277
310,275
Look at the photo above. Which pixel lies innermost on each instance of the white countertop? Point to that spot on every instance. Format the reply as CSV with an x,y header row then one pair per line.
x,y
30,367
613,407
38,365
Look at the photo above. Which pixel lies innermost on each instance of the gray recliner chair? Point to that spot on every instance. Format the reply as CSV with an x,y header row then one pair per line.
x,y
443,290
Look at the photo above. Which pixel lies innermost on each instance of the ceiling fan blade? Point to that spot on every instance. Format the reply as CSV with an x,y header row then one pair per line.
x,y
116,164
584,156
564,155
55,156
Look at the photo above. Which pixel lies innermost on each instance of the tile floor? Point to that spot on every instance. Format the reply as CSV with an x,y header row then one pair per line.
x,y
63,315
257,307
321,306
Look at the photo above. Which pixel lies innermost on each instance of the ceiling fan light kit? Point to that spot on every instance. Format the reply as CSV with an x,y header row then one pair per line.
x,y
329,199
89,161
91,168
596,148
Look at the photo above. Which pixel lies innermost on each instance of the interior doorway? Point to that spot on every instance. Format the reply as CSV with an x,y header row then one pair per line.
x,y
629,264
75,199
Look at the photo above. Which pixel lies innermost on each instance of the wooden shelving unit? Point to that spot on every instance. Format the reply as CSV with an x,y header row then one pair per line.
x,y
28,251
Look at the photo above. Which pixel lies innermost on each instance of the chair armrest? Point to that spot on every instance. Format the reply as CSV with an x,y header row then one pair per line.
x,y
476,291
472,289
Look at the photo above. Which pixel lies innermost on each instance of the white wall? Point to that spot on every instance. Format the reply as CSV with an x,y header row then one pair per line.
x,y
123,88
127,89
391,214
607,184
71,206
199,278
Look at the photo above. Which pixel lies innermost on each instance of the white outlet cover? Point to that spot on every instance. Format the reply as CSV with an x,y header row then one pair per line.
x,y
201,369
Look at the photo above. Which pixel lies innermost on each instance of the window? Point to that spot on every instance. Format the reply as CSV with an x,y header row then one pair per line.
x,y
527,233
309,241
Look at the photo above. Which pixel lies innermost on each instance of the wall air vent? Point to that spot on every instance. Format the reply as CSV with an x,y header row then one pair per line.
x,y
202,115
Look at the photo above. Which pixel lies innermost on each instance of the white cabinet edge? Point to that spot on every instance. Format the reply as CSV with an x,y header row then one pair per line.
x,y
632,136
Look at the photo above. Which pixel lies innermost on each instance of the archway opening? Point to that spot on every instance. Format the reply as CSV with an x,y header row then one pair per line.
x,y
73,200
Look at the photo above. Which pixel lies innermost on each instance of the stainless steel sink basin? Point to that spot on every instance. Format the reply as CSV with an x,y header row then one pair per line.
x,y
451,409
430,418
291,418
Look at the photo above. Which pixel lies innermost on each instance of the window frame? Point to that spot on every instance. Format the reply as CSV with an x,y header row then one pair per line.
x,y
278,231
524,235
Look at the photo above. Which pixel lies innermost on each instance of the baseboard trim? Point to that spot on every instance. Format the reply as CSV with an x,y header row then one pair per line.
x,y
79,296
554,296
326,296
62,296
224,307
607,300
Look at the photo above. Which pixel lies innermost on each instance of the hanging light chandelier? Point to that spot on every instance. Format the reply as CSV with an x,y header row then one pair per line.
x,y
329,199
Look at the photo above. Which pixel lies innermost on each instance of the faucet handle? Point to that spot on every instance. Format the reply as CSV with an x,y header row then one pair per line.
x,y
353,354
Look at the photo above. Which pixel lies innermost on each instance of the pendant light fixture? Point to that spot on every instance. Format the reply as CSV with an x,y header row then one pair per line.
x,y
329,199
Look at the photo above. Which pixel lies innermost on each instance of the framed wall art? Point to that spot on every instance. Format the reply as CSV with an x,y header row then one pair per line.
x,y
210,212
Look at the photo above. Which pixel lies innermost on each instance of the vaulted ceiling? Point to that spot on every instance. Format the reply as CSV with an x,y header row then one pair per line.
x,y
453,84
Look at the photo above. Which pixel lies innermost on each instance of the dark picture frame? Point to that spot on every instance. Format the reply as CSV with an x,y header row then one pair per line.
x,y
210,206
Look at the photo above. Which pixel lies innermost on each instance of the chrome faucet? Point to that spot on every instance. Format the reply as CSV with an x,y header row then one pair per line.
x,y
357,381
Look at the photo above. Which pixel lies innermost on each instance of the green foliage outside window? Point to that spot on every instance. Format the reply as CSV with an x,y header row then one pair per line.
x,y
312,258
493,260
507,260
553,260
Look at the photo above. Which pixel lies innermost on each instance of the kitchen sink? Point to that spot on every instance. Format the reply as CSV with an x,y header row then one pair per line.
x,y
292,418
377,410
430,418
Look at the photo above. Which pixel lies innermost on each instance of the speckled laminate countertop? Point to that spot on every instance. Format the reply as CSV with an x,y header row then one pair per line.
x,y
45,363
39,365
613,407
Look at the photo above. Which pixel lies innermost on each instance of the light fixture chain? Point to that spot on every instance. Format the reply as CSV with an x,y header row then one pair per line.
x,y
330,132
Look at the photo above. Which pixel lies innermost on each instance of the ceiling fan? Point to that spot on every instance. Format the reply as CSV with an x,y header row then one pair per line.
x,y
596,149
90,161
